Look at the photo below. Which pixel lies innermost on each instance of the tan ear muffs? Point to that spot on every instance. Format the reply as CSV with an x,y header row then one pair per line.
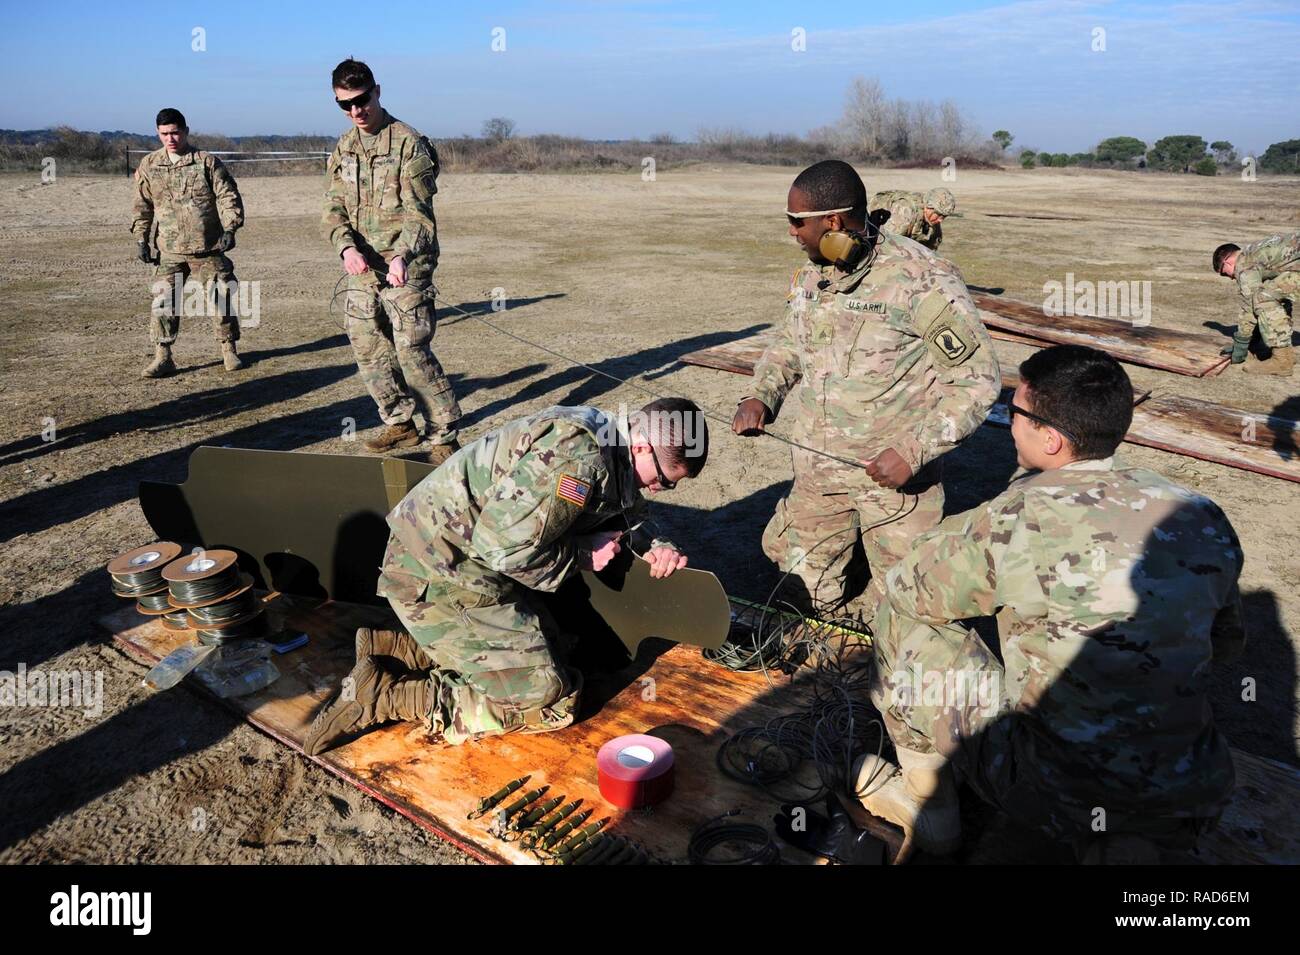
x,y
842,249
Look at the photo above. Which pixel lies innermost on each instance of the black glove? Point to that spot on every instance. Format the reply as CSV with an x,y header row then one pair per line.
x,y
835,838
227,241
1240,346
142,249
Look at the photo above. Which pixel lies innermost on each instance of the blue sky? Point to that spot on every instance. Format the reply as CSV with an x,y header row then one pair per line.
x,y
615,70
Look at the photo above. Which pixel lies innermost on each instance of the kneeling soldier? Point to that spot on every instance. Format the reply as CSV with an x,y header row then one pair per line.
x,y
515,513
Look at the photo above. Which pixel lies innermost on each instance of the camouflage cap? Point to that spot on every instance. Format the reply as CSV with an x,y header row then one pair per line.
x,y
942,201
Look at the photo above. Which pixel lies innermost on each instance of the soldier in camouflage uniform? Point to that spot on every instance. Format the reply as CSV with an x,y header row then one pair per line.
x,y
1113,589
889,366
513,514
379,220
919,218
196,206
1268,279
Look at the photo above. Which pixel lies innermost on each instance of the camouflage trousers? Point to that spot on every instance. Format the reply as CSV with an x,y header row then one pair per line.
x,y
390,330
494,663
172,295
1271,310
941,689
822,533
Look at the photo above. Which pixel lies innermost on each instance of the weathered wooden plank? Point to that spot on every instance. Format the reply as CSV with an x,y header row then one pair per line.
x,y
1186,353
740,358
1212,432
1198,429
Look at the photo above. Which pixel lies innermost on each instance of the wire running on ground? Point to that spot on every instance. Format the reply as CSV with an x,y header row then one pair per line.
x,y
708,413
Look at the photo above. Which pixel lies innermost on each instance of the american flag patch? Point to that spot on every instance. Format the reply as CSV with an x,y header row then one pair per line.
x,y
572,490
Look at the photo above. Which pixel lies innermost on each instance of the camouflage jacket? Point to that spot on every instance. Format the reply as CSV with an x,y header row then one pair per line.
x,y
891,355
1113,588
193,202
906,216
382,204
507,507
1261,262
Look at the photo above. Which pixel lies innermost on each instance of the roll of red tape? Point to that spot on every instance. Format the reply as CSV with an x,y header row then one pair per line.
x,y
635,771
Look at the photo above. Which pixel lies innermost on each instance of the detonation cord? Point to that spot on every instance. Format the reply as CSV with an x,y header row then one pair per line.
x,y
206,588
712,415
155,601
758,847
221,613
139,583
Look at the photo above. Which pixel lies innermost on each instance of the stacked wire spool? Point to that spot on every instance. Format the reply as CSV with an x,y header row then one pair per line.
x,y
138,575
218,600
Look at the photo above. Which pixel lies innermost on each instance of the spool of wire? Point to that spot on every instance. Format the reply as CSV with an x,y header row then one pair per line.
x,y
203,578
155,604
243,603
139,571
249,629
176,620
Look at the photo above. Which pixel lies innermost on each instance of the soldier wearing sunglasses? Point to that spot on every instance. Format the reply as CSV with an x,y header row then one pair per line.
x,y
1114,589
882,359
379,219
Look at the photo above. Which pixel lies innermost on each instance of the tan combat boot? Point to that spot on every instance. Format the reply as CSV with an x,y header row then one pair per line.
x,y
441,452
391,643
230,357
1280,363
402,435
370,695
162,365
921,799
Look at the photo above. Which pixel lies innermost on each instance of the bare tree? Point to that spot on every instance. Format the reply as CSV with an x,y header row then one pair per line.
x,y
927,131
952,128
498,129
866,113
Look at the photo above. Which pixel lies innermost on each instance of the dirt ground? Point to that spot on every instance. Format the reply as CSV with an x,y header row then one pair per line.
x,y
623,274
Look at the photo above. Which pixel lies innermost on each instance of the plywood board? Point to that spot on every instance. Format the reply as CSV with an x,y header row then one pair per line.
x,y
678,695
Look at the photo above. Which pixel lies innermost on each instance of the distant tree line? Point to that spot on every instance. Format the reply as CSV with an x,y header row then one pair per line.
x,y
1183,153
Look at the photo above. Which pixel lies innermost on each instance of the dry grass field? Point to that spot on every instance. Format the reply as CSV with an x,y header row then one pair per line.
x,y
622,274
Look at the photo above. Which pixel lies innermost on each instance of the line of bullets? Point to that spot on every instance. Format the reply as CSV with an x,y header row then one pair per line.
x,y
564,837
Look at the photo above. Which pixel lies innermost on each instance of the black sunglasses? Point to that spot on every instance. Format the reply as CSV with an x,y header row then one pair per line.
x,y
1013,409
361,100
800,221
664,483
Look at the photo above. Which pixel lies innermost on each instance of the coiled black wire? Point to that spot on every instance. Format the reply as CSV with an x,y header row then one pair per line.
x,y
138,586
758,848
134,583
217,614
805,755
205,588
154,601
247,630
